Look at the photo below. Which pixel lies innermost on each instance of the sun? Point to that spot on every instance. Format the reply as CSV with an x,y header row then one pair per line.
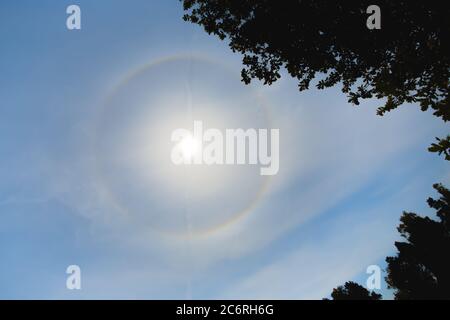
x,y
189,147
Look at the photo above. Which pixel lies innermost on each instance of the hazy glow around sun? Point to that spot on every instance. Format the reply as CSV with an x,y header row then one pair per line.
x,y
135,147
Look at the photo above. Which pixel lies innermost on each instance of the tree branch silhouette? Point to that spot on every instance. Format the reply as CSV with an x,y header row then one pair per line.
x,y
407,61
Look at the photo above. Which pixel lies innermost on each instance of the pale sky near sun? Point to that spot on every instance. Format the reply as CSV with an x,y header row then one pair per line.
x,y
86,177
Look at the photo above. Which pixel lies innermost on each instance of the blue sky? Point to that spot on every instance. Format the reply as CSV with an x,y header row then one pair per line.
x,y
71,103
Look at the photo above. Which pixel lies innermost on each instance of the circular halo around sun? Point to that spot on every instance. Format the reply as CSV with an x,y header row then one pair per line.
x,y
133,147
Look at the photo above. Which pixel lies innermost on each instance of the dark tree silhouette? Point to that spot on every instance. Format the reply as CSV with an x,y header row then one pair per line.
x,y
406,61
441,147
421,268
353,291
